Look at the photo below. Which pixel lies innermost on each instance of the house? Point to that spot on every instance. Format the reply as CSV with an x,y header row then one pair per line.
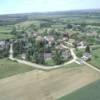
x,y
47,55
2,45
65,37
92,34
81,45
34,34
66,54
49,39
87,56
23,56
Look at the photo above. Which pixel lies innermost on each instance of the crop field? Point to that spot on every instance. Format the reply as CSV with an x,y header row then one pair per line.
x,y
46,85
9,68
90,92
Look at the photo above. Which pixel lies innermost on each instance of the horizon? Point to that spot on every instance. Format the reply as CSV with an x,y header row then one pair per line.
x,y
93,9
45,6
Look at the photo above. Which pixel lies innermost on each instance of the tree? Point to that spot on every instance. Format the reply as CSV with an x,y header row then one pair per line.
x,y
69,26
88,49
57,56
14,31
39,50
75,45
33,27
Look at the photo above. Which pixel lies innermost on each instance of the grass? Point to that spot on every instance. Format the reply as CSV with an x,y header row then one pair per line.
x,y
6,36
5,32
49,62
5,29
90,92
10,68
26,24
79,52
73,65
95,61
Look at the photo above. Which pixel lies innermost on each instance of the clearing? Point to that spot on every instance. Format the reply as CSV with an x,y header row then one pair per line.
x,y
46,85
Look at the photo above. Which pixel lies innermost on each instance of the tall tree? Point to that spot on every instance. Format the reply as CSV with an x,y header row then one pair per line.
x,y
57,56
14,31
88,49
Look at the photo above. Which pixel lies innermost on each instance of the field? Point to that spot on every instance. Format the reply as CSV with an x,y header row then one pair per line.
x,y
6,36
5,29
46,85
90,92
96,58
9,68
5,32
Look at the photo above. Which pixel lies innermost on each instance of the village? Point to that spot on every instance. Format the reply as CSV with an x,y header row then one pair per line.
x,y
47,49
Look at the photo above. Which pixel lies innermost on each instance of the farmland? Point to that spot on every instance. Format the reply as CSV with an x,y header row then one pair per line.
x,y
46,85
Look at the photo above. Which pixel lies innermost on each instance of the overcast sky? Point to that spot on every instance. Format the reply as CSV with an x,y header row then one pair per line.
x,y
22,6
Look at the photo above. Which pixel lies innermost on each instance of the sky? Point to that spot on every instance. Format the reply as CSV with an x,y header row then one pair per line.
x,y
26,6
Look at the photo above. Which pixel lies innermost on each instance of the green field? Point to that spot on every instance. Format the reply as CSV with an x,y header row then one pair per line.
x,y
96,58
5,32
73,65
6,36
5,29
9,68
90,92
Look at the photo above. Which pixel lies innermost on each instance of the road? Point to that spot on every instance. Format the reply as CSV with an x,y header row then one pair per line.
x,y
84,62
37,65
74,60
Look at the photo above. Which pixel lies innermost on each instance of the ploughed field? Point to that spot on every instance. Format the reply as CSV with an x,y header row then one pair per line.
x,y
46,85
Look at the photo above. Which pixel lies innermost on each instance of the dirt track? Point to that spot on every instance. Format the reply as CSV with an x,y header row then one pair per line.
x,y
41,85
